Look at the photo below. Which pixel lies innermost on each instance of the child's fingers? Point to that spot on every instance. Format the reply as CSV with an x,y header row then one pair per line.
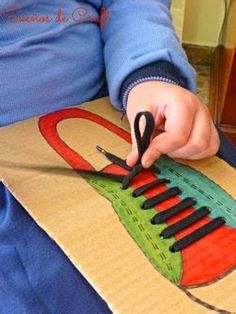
x,y
178,126
199,140
151,155
132,158
212,148
179,121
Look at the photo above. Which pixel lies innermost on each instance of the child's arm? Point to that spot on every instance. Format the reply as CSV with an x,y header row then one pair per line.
x,y
141,45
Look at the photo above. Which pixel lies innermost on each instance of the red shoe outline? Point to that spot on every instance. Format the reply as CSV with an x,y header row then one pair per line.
x,y
193,274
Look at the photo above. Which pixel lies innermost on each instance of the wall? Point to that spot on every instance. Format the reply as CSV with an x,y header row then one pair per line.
x,y
203,20
178,12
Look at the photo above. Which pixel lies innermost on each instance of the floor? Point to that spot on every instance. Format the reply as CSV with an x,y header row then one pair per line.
x,y
201,60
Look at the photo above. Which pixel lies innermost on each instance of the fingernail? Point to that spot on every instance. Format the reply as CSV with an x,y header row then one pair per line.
x,y
146,163
132,158
129,160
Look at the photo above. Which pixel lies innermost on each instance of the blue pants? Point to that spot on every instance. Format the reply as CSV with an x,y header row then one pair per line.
x,y
35,275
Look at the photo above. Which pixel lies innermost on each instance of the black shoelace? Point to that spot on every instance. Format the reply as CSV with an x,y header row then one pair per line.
x,y
143,142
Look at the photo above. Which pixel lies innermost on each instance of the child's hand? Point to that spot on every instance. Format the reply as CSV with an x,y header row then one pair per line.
x,y
184,128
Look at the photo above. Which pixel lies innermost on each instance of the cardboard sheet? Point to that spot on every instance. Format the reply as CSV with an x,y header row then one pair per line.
x,y
38,166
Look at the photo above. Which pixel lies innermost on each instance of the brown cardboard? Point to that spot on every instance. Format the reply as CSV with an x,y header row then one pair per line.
x,y
85,225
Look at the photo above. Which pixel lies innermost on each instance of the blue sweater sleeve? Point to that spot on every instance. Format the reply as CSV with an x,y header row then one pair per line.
x,y
137,34
159,71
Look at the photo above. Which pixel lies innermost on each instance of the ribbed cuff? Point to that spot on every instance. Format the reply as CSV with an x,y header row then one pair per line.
x,y
158,71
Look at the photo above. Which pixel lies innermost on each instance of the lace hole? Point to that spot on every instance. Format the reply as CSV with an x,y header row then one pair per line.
x,y
152,221
172,250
